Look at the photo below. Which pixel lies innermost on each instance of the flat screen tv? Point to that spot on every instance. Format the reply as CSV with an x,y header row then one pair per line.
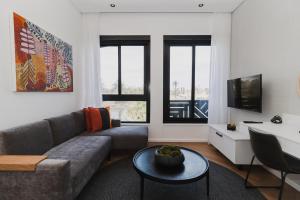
x,y
245,93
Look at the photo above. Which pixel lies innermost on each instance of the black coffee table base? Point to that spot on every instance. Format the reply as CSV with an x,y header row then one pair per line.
x,y
142,185
194,168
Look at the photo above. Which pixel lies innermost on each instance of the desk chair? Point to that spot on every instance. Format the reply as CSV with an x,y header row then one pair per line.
x,y
268,151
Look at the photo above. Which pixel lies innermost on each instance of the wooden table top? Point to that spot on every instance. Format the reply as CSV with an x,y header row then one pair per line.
x,y
20,162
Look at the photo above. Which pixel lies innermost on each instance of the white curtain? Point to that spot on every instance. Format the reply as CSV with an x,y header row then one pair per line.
x,y
220,68
90,62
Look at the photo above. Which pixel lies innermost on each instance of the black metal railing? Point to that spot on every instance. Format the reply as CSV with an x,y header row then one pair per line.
x,y
182,109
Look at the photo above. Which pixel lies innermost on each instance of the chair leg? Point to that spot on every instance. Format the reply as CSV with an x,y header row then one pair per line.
x,y
248,173
256,186
283,176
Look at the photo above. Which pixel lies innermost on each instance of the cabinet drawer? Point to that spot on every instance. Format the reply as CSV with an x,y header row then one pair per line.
x,y
238,151
216,139
229,148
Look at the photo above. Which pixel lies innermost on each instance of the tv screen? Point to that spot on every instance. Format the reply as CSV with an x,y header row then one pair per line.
x,y
245,93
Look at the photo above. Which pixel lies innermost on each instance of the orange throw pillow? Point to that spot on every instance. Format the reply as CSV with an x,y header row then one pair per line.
x,y
93,119
97,119
87,118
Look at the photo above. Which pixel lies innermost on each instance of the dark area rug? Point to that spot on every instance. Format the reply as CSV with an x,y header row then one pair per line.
x,y
119,181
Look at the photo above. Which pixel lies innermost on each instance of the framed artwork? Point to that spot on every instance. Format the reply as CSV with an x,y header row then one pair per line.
x,y
43,62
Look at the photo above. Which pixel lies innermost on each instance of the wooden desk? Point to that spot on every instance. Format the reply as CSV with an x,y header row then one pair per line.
x,y
20,162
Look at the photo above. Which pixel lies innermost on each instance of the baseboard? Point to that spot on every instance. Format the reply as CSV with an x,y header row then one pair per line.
x,y
175,140
292,183
288,180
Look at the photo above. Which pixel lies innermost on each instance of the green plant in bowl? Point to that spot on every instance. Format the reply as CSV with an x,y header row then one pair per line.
x,y
169,156
171,151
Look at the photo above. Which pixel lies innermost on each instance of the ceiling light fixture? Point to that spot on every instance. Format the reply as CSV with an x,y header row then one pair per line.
x,y
200,5
112,5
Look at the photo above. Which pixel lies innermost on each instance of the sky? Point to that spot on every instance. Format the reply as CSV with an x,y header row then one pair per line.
x,y
133,66
181,66
132,60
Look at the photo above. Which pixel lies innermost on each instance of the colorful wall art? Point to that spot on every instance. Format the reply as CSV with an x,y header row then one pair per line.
x,y
43,62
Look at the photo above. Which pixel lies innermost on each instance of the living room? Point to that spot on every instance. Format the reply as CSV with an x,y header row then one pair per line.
x,y
101,99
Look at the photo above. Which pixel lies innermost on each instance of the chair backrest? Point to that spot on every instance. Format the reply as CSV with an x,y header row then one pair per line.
x,y
267,150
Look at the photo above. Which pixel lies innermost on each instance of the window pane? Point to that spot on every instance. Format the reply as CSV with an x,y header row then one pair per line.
x,y
202,73
180,73
129,111
109,69
132,61
180,81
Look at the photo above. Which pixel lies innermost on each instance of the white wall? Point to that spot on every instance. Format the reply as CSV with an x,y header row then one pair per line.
x,y
157,25
57,17
266,39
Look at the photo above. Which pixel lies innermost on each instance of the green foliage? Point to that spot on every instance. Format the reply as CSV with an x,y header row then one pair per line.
x,y
169,151
136,112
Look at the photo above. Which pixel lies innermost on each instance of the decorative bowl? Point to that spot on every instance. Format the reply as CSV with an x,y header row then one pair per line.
x,y
231,127
169,156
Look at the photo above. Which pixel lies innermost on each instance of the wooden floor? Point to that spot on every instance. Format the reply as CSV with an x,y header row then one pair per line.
x,y
258,176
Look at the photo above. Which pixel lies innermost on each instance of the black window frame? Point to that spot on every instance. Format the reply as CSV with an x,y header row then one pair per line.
x,y
181,40
132,40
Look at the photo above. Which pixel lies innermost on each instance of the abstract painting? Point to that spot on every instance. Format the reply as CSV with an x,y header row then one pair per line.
x,y
43,62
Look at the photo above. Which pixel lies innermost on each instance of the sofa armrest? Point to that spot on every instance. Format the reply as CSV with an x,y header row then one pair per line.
x,y
115,123
50,181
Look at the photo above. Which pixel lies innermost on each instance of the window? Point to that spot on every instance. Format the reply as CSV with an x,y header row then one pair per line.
x,y
186,78
125,77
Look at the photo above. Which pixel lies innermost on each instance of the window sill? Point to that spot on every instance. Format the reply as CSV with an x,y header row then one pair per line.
x,y
166,124
185,124
135,124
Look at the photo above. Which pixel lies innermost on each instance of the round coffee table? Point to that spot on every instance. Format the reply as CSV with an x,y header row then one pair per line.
x,y
194,168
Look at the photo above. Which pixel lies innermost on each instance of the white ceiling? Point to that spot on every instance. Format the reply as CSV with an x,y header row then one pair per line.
x,y
156,5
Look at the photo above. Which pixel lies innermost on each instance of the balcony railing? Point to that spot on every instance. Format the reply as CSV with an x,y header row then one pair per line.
x,y
182,109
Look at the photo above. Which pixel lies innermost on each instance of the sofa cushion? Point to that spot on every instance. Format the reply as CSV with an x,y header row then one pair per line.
x,y
85,155
105,116
31,139
97,119
115,123
63,128
79,120
125,137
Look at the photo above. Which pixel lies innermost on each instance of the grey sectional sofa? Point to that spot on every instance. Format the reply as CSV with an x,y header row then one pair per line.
x,y
74,155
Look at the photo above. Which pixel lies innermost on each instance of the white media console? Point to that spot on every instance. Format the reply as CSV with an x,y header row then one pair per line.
x,y
235,145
